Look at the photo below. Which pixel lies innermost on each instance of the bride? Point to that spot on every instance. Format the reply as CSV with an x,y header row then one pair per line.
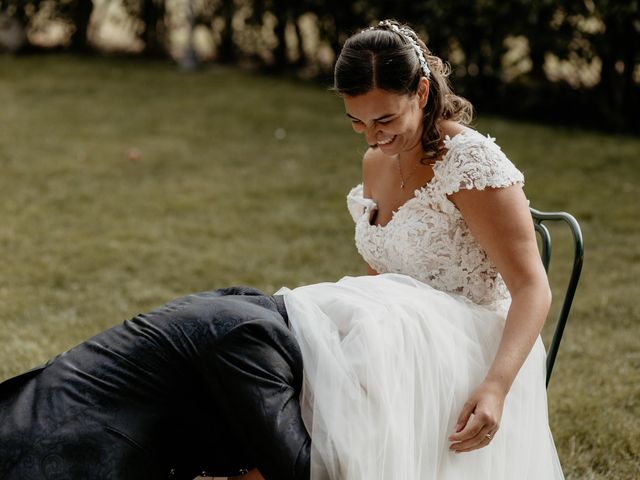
x,y
431,367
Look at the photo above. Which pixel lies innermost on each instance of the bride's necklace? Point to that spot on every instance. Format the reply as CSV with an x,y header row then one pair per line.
x,y
403,179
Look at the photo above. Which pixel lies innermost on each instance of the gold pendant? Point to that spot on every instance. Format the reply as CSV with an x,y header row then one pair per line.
x,y
402,185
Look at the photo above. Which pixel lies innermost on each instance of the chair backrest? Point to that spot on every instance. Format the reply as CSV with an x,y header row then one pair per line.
x,y
545,253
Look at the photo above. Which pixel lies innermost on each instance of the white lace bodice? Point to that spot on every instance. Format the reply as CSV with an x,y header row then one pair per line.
x,y
427,238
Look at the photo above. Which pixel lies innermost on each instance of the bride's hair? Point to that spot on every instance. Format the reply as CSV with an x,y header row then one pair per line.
x,y
386,57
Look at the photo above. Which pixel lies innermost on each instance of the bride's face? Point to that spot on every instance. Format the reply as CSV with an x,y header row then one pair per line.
x,y
389,121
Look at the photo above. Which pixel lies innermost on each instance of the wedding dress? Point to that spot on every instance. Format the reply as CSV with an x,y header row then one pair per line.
x,y
390,359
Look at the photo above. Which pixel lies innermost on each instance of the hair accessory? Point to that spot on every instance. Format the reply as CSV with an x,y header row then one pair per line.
x,y
409,35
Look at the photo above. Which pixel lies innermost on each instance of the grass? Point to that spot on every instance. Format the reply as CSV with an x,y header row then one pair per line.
x,y
125,184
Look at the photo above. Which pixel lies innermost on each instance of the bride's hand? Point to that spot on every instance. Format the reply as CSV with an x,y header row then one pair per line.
x,y
479,420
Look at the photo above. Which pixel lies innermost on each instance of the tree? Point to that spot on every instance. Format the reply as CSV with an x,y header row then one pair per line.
x,y
618,47
78,13
153,31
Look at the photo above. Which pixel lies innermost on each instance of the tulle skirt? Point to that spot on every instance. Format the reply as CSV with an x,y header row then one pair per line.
x,y
389,363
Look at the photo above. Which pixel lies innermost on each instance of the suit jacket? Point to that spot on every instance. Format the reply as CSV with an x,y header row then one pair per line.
x,y
207,383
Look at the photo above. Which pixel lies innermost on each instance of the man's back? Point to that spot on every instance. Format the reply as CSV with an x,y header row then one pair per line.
x,y
170,393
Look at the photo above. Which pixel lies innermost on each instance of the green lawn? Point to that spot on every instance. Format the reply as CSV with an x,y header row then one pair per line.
x,y
91,234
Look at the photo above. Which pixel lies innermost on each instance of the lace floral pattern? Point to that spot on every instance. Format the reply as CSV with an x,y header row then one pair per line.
x,y
427,237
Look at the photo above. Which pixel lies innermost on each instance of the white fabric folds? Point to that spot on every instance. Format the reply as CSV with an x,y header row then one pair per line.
x,y
389,361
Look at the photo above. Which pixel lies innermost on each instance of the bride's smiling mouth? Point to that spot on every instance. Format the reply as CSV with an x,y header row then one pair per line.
x,y
386,142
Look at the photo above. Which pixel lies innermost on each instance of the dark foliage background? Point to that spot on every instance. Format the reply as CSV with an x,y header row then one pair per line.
x,y
572,61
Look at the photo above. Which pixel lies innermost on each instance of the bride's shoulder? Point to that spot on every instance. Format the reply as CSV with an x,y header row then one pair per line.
x,y
372,158
461,142
473,160
373,163
449,128
454,134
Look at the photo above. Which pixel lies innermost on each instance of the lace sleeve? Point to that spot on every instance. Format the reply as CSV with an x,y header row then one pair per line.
x,y
357,204
474,161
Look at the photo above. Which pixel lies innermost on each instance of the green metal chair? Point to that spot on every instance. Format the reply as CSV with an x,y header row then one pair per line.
x,y
545,253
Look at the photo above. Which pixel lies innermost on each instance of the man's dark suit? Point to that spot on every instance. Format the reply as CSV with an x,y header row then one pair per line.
x,y
206,383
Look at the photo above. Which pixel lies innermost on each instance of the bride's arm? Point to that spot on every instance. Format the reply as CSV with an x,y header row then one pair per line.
x,y
501,222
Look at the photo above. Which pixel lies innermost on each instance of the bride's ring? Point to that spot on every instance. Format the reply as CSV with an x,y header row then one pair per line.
x,y
489,436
